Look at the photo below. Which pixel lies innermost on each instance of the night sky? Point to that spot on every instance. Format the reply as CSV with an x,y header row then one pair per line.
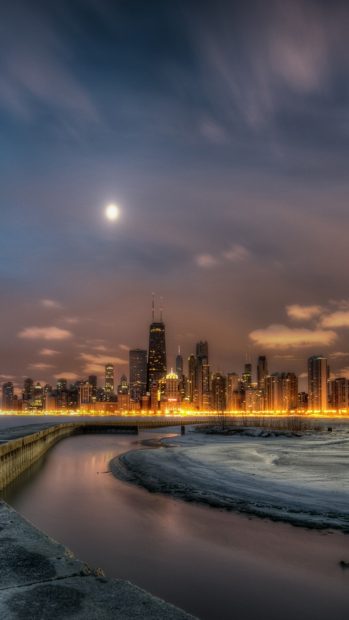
x,y
222,132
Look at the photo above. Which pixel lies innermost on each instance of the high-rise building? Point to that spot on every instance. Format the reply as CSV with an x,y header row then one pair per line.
x,y
138,373
157,361
172,389
191,378
179,364
109,382
203,386
8,397
28,392
262,371
85,393
318,374
219,385
233,393
247,375
123,394
339,393
281,391
93,382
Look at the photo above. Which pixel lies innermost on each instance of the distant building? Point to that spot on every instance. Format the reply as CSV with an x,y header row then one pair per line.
x,y
172,395
247,375
262,371
109,390
85,393
8,397
138,373
281,391
339,393
157,359
28,393
179,364
318,374
219,385
202,379
233,393
191,387
123,394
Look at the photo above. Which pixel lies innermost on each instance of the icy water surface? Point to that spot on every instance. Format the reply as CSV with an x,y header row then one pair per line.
x,y
217,565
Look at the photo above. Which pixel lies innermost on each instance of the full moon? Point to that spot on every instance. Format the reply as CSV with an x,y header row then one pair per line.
x,y
112,212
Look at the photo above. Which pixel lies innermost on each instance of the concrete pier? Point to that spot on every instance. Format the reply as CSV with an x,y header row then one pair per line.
x,y
40,579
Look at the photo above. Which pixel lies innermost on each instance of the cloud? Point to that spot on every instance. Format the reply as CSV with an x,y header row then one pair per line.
x,y
48,352
71,320
237,253
50,303
95,363
281,337
124,347
69,376
44,333
336,319
41,366
339,354
303,313
7,377
206,261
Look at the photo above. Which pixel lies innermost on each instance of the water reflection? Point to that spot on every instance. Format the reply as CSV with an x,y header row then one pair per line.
x,y
215,564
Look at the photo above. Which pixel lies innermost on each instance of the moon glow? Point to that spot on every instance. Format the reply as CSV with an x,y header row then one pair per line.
x,y
112,212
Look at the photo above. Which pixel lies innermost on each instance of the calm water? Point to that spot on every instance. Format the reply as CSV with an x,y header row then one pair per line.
x,y
215,564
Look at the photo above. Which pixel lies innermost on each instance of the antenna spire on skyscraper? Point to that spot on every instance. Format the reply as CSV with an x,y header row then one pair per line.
x,y
153,306
161,307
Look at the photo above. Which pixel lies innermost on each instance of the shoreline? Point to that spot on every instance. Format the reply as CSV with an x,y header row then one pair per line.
x,y
126,467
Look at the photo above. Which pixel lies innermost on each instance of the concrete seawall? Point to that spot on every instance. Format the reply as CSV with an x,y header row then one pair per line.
x,y
40,579
21,447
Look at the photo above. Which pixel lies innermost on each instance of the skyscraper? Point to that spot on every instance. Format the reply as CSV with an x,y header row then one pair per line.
x,y
8,398
179,364
262,371
247,375
219,386
157,362
318,373
191,378
138,373
202,376
109,382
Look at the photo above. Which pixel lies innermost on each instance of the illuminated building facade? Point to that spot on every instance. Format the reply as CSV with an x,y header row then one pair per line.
x,y
138,373
109,382
219,386
157,361
318,373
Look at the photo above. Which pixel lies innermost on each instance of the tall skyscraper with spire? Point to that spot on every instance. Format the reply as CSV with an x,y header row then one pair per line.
x,y
157,361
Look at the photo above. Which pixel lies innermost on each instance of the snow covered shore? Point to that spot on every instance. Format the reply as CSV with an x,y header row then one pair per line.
x,y
302,480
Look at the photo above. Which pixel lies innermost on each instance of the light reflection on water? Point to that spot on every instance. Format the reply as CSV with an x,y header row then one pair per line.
x,y
215,564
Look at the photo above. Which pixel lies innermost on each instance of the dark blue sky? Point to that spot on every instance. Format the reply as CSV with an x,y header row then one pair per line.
x,y
222,131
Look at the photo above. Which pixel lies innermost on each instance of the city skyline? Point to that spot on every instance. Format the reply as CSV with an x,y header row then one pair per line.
x,y
95,354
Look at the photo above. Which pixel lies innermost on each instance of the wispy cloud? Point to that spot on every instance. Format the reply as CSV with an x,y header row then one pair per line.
x,y
48,352
336,319
44,333
95,363
303,313
283,337
237,253
69,376
51,304
41,366
206,261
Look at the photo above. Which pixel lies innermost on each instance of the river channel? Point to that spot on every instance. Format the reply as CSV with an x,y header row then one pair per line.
x,y
215,564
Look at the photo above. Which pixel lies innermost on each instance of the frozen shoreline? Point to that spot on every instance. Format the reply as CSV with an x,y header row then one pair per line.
x,y
300,480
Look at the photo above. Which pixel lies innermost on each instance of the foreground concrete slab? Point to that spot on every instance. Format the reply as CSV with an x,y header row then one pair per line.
x,y
41,579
